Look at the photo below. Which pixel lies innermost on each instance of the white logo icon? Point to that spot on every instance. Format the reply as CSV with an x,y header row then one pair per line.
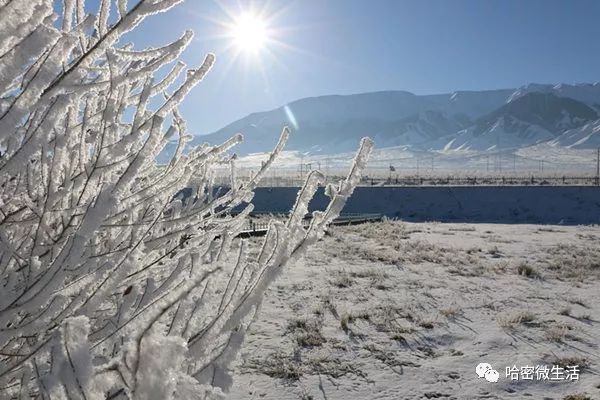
x,y
485,370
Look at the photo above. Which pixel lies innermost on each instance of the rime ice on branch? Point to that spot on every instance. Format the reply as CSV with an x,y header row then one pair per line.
x,y
109,287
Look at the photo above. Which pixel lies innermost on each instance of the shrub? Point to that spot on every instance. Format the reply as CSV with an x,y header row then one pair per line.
x,y
111,279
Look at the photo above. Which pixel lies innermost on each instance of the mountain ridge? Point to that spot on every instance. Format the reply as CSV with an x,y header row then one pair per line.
x,y
376,114
461,120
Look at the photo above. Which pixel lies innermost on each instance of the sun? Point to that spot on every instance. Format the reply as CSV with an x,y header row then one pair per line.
x,y
249,32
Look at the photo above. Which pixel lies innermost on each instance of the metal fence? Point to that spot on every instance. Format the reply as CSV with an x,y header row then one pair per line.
x,y
425,180
484,180
397,167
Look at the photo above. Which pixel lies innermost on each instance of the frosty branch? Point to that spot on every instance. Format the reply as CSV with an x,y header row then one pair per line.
x,y
110,286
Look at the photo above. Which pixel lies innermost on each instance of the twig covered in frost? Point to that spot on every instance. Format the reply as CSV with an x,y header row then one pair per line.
x,y
110,286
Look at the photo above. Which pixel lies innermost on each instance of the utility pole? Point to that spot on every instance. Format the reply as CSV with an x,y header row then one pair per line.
x,y
598,167
272,177
500,161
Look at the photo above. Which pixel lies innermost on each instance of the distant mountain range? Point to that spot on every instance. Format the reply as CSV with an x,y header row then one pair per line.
x,y
562,115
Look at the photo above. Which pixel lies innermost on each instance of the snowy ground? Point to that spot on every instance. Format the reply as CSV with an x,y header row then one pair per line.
x,y
397,310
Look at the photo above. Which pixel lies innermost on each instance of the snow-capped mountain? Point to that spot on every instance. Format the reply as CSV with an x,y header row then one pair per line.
x,y
506,132
525,120
585,137
588,93
335,123
546,110
561,115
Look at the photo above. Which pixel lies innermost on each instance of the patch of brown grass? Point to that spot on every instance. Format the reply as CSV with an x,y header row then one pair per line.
x,y
512,320
573,262
307,333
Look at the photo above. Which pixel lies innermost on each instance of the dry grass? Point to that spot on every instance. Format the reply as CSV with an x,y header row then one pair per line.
x,y
559,333
389,242
573,262
375,230
349,318
307,333
306,396
371,273
378,279
287,367
342,279
494,252
327,304
512,320
390,358
397,321
450,312
565,361
333,367
527,270
276,365
579,396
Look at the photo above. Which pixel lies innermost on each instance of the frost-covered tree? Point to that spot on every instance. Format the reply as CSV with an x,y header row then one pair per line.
x,y
110,286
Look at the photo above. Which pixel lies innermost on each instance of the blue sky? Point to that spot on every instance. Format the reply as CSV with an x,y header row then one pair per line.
x,y
352,46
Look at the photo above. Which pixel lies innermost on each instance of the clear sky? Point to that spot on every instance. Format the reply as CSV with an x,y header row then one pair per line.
x,y
319,47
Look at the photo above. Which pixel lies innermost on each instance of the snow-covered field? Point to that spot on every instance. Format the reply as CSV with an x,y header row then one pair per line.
x,y
397,310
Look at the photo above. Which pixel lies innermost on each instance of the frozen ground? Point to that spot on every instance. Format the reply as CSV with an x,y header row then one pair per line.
x,y
397,310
